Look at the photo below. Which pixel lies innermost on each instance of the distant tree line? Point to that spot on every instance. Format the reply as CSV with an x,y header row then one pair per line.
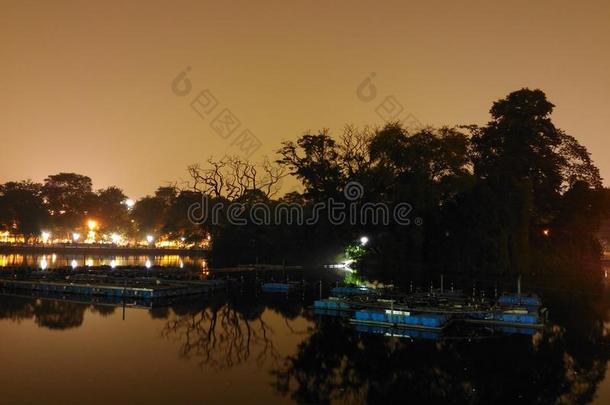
x,y
517,195
65,202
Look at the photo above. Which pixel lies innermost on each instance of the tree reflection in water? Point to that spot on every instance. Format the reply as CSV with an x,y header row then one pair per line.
x,y
103,310
562,364
221,337
226,333
52,314
59,314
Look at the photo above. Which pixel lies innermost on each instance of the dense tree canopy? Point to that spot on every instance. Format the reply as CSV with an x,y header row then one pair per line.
x,y
514,195
21,208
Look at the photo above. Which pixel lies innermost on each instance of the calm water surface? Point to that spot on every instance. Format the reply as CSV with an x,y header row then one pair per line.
x,y
248,348
51,261
64,352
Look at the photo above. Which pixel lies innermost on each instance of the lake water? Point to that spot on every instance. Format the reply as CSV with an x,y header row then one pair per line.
x,y
51,261
210,351
243,346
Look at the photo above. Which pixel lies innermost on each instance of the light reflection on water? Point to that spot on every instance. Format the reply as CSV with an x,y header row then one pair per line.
x,y
269,349
51,261
247,347
210,352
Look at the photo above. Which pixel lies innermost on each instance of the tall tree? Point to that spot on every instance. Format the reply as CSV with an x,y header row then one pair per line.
x,y
523,157
22,210
69,197
314,159
148,214
110,210
522,144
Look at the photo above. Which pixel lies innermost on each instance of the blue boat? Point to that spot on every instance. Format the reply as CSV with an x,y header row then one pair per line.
x,y
432,321
519,300
279,287
331,312
331,304
351,290
517,318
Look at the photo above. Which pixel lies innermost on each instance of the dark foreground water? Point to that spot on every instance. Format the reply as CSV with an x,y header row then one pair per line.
x,y
235,348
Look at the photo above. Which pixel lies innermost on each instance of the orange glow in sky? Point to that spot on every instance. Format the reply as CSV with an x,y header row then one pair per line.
x,y
87,87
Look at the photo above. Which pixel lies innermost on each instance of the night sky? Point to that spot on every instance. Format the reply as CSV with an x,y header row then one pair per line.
x,y
86,88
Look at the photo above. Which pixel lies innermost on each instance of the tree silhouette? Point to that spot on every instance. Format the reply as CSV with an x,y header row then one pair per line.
x,y
221,337
22,209
69,197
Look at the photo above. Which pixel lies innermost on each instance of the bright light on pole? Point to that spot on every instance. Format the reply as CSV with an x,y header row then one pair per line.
x,y
115,237
129,203
92,225
364,240
75,236
45,236
150,238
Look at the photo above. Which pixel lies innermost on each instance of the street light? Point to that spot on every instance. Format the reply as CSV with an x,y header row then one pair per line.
x,y
45,236
92,225
75,236
150,238
364,240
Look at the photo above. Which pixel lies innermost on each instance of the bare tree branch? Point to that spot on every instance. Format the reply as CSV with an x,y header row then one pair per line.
x,y
233,177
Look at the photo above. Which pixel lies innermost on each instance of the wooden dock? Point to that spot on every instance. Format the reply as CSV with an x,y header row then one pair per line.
x,y
135,289
406,311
